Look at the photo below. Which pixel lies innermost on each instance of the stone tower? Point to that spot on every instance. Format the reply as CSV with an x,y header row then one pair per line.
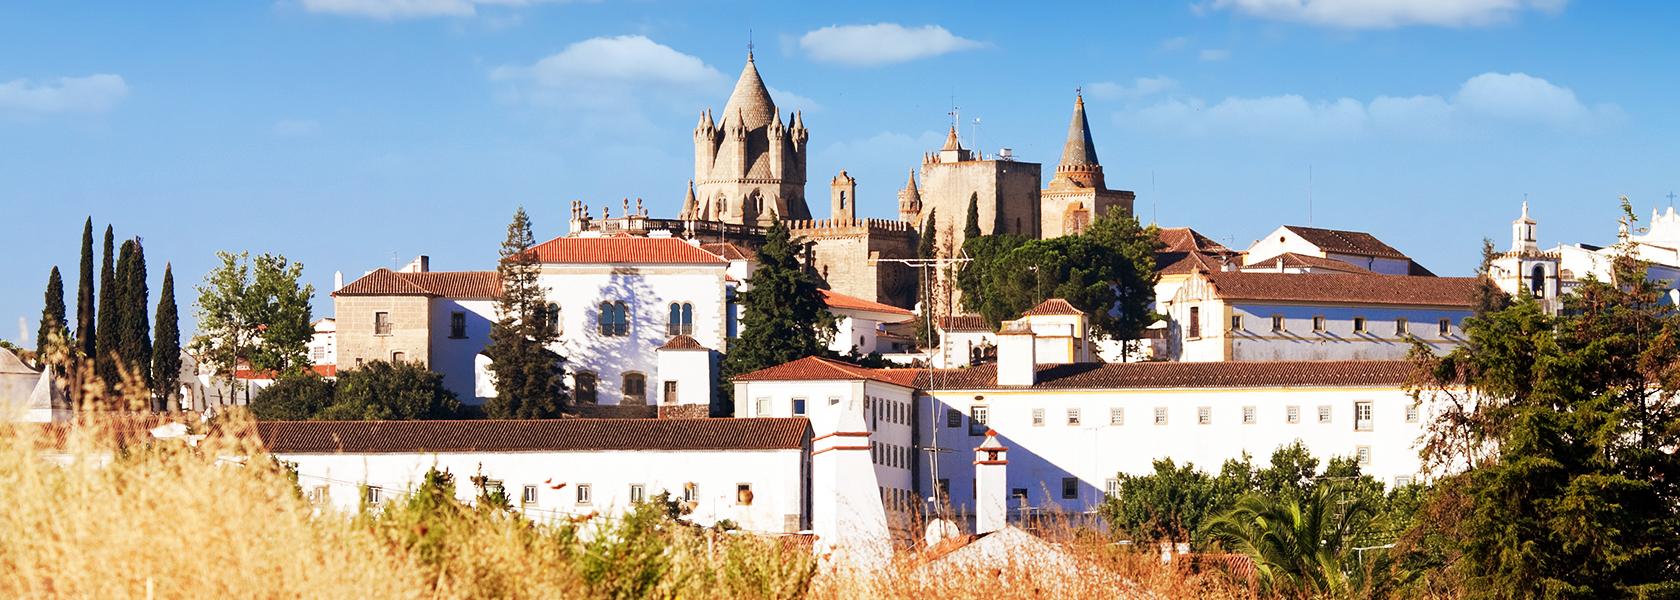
x,y
842,196
1077,193
1006,192
749,164
909,200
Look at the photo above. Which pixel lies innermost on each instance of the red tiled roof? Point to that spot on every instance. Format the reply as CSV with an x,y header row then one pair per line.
x,y
1354,243
1180,375
839,300
313,437
1295,260
683,342
1187,252
729,251
1179,263
964,323
623,250
1351,289
1185,239
1053,306
322,370
813,368
444,284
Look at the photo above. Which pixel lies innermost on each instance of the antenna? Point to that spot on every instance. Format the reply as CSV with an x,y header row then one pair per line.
x,y
1152,219
974,136
393,260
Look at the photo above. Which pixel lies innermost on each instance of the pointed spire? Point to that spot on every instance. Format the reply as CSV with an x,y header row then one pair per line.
x,y
1079,149
777,117
797,122
951,142
750,100
910,191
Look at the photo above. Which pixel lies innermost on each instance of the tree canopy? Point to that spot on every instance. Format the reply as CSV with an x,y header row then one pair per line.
x,y
254,310
52,318
527,372
377,390
786,318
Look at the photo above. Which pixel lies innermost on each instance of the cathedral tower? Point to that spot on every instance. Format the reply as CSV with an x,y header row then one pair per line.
x,y
842,192
1077,194
748,164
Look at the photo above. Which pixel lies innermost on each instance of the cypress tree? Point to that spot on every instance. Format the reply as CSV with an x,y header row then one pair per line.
x,y
528,373
52,318
84,297
136,343
786,318
166,352
971,230
104,358
926,249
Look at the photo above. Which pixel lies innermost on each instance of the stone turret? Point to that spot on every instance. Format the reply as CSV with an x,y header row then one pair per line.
x,y
909,200
842,191
1079,167
751,164
1077,194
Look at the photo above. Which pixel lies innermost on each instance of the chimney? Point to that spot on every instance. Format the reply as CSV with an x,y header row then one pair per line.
x,y
991,465
1017,358
338,280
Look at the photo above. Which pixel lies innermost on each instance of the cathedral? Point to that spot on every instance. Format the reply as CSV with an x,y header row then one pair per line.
x,y
750,164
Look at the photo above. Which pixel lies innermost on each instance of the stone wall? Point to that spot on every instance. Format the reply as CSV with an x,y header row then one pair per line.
x,y
621,411
1089,204
410,318
1008,198
842,251
685,411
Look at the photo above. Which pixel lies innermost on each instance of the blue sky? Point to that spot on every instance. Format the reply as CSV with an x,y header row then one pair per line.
x,y
339,132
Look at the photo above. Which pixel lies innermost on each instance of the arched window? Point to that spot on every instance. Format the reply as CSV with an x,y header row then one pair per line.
x,y
552,319
615,319
1537,281
583,387
842,200
635,389
682,319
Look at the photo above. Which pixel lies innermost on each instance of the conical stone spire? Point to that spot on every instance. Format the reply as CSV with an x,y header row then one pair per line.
x,y
951,142
910,191
750,100
1079,149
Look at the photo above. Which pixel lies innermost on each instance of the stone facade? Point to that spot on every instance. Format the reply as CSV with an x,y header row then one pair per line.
x,y
842,251
748,163
1077,194
410,328
1008,192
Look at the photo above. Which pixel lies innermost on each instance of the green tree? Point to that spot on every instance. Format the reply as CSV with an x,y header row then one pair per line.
x,y
383,391
1169,504
166,348
134,343
105,356
925,249
1486,298
1303,546
527,371
52,318
85,321
786,318
1566,425
253,311
971,227
299,396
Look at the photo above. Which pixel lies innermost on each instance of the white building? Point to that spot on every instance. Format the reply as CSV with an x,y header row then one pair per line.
x,y
440,319
1244,316
323,346
862,323
753,472
1548,274
1353,247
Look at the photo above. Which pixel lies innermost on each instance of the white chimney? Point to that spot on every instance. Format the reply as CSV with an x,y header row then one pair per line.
x,y
1017,354
991,483
338,280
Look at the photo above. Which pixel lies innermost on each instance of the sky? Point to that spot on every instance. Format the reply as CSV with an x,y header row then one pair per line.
x,y
350,135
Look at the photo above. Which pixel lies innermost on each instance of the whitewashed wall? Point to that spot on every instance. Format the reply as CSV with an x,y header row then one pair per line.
x,y
456,358
1256,341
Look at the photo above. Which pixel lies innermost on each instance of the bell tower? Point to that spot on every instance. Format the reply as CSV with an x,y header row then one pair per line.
x,y
842,192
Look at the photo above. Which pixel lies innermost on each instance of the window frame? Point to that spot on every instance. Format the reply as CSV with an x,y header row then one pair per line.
x,y
1320,324
743,487
1070,488
1359,325
1412,413
1279,324
1325,414
614,318
1111,487
528,495
1204,415
680,320
589,393
1038,417
585,494
1116,416
638,492
1074,417
457,324
1292,415
1195,322
382,323
1250,415
1402,326
979,420
1362,454
1444,327
799,406
668,395
761,406
632,386
1363,408
373,494
1236,323
1160,415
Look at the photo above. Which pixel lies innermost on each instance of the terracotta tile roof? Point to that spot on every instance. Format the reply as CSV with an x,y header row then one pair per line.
x,y
1179,263
441,284
729,251
1295,260
839,300
683,342
244,372
1185,239
1346,242
813,368
964,323
1187,252
311,437
623,250
1350,289
1182,375
1053,306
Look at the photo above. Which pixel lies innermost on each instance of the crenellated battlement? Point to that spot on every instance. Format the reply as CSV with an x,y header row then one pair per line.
x,y
851,227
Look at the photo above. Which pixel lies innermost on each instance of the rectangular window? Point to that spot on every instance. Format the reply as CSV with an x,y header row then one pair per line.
x,y
318,495
1318,324
1400,326
637,492
1402,480
382,323
743,494
397,357
670,395
1073,417
1112,488
1038,417
458,324
373,495
1160,415
530,495
1020,497
1204,415
1364,454
977,420
691,492
1195,322
1070,488
1248,415
1359,324
1116,416
763,407
1411,413
1444,327
833,400
1236,322
1294,414
320,354
1362,416
584,495
1277,323
798,407
953,418
1324,414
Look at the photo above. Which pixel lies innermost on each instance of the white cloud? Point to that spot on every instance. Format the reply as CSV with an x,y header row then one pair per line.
x,y
296,128
406,9
1174,44
1142,86
1388,14
1486,101
91,94
883,43
1213,55
611,79
787,101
